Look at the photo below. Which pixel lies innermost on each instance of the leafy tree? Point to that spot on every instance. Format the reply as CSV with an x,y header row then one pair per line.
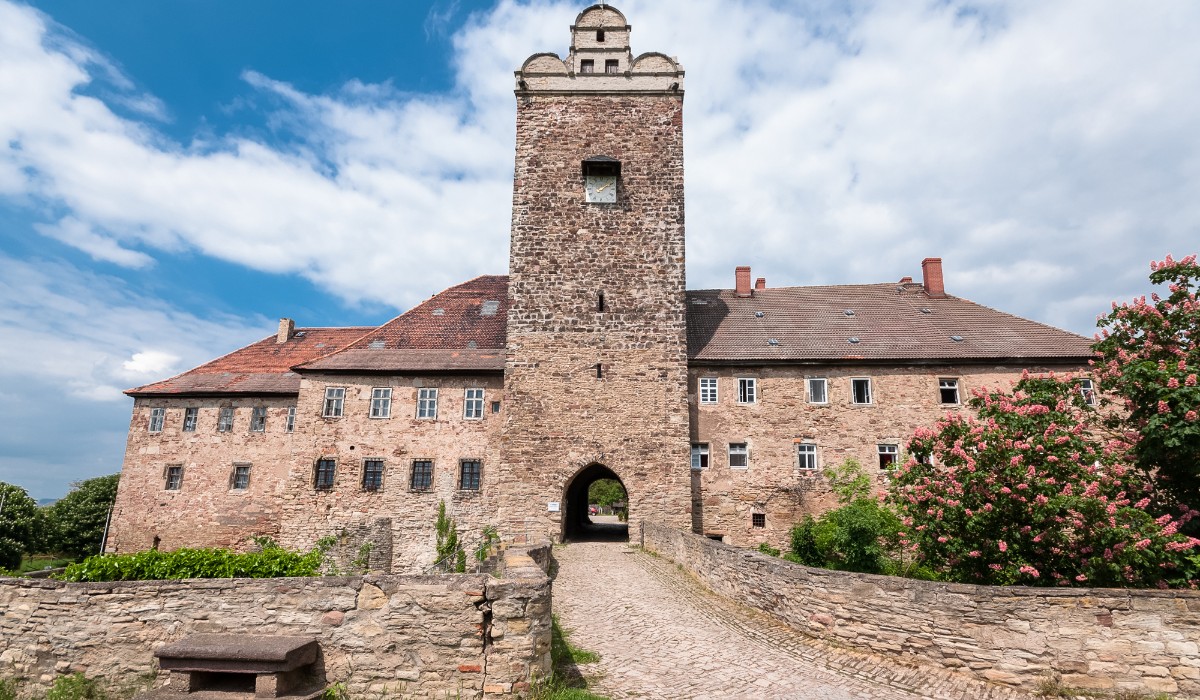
x,y
606,492
1032,492
76,522
19,520
1149,358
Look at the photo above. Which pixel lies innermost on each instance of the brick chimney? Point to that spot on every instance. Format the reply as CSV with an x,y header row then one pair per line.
x,y
931,271
742,281
760,283
287,328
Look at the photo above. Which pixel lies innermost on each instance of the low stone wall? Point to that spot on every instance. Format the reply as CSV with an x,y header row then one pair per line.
x,y
468,636
1092,638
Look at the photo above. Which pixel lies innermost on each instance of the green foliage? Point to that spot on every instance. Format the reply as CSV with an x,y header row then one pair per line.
x,y
1149,358
565,681
336,691
490,539
153,565
849,482
75,523
76,687
606,492
768,550
20,525
450,554
8,689
1031,493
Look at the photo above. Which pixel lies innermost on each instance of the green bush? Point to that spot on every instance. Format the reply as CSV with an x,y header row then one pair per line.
x,y
768,550
8,689
153,565
75,687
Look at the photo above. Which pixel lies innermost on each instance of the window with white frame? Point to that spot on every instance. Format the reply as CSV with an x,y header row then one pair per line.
x,y
948,391
335,401
473,404
739,455
291,419
747,390
241,477
708,390
258,419
1088,390
889,453
422,475
191,416
174,477
372,477
158,416
469,473
323,474
818,390
806,455
427,403
225,419
699,455
381,402
860,391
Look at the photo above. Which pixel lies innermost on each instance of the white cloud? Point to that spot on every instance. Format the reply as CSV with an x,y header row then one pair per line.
x,y
152,364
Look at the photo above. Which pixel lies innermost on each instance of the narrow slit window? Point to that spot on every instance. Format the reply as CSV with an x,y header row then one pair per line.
x,y
600,302
599,371
291,419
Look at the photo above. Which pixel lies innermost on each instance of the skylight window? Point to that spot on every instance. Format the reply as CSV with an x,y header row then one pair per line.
x,y
489,308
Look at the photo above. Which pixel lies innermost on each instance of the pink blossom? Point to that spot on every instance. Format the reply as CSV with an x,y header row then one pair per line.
x,y
1027,569
1164,407
974,553
1003,546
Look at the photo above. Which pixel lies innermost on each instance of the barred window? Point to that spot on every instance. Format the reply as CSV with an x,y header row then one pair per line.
x,y
174,477
708,390
372,479
381,402
806,455
469,472
335,398
473,404
158,416
258,419
241,477
422,475
225,419
191,416
323,475
758,519
427,403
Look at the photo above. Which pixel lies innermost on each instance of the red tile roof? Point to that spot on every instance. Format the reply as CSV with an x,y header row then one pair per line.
x,y
261,368
892,322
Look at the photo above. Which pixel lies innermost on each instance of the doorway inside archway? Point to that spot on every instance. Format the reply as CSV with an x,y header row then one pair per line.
x,y
596,506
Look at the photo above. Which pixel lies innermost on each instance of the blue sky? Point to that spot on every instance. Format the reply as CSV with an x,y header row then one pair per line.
x,y
175,176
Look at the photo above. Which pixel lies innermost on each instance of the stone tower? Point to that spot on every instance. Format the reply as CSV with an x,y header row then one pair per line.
x,y
596,366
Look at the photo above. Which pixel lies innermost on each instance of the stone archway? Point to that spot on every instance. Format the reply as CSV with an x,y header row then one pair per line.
x,y
576,523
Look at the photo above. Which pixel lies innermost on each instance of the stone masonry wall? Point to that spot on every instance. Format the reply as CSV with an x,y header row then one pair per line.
x,y
903,399
565,252
468,636
1103,639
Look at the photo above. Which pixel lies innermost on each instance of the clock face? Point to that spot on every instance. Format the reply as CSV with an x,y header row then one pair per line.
x,y
601,188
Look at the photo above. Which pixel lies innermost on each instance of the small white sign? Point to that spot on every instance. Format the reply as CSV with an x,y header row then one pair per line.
x,y
552,506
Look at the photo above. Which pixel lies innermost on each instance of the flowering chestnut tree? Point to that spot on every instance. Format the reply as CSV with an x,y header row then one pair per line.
x,y
1033,492
1148,359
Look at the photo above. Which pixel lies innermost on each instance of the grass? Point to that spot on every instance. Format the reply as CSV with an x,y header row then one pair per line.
x,y
565,681
1052,687
37,562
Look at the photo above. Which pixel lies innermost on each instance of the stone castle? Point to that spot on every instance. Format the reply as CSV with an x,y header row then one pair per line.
x,y
507,396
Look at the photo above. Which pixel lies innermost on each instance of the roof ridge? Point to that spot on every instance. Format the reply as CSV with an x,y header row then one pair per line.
x,y
193,369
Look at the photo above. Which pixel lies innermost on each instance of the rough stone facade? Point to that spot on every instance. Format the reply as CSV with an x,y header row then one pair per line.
x,y
467,636
1097,639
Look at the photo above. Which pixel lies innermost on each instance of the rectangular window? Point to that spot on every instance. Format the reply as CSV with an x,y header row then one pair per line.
x,y
258,419
473,404
422,475
323,476
372,478
241,477
427,403
1088,390
806,455
860,390
739,455
495,407
699,455
469,471
818,390
888,454
335,399
948,390
611,66
708,390
225,419
191,416
758,519
291,419
381,402
158,416
747,390
174,477
587,65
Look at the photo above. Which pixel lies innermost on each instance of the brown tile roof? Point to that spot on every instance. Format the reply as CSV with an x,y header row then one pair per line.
x,y
460,329
261,368
891,322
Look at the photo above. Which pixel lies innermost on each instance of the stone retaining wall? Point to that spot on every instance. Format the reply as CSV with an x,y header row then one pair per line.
x,y
1093,638
468,636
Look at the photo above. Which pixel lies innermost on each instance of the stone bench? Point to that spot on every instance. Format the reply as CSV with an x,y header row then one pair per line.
x,y
263,666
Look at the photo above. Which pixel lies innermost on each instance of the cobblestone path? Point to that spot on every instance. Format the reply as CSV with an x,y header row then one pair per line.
x,y
660,634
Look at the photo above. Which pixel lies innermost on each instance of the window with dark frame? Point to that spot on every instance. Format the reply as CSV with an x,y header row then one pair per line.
x,y
225,419
758,519
699,455
469,473
612,66
323,475
587,65
948,390
191,416
888,454
174,478
372,477
806,456
739,455
860,390
258,419
422,475
600,36
158,416
241,477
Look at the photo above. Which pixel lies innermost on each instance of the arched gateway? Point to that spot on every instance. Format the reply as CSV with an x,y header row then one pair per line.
x,y
577,522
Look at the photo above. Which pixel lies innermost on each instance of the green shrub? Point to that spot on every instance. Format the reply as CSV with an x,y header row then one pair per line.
x,y
153,565
768,550
8,689
75,687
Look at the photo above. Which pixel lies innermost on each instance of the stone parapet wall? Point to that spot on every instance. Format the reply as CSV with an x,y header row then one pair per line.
x,y
1103,639
463,636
